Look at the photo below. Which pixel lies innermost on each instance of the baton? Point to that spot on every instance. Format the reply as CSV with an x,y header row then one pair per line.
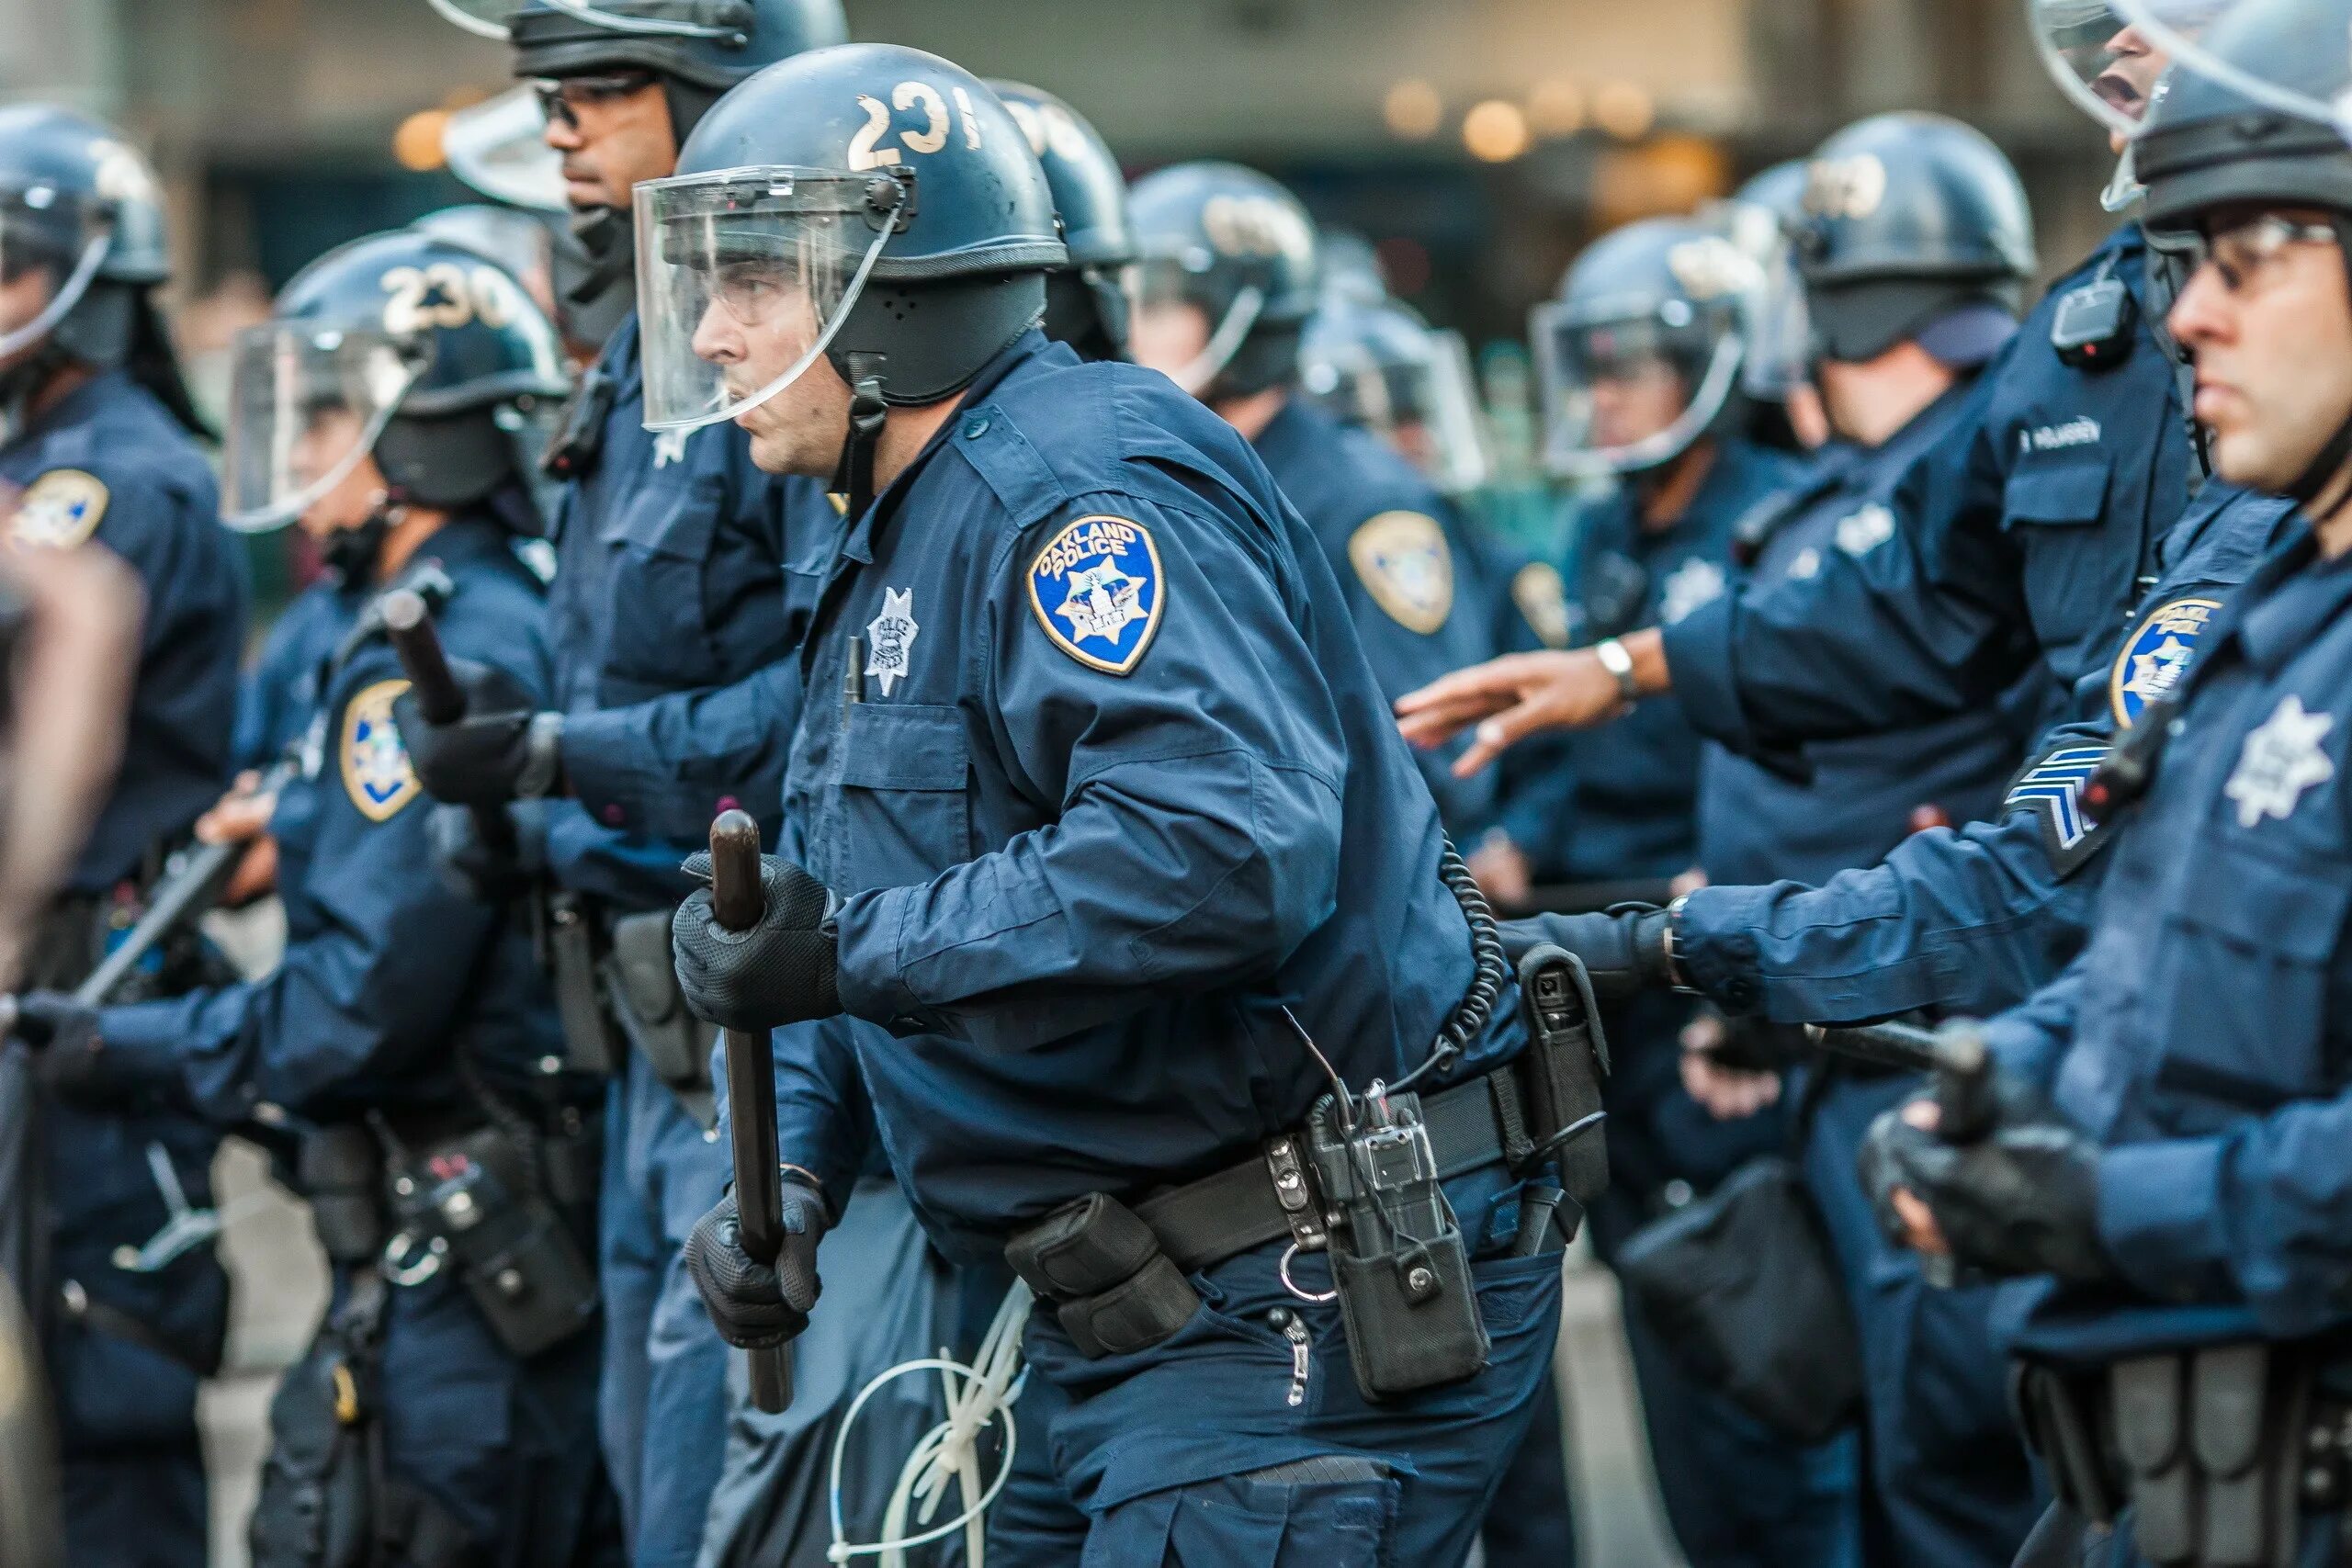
x,y
407,621
1956,1057
737,903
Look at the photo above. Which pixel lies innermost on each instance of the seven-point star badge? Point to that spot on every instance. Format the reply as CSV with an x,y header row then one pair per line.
x,y
890,638
2282,760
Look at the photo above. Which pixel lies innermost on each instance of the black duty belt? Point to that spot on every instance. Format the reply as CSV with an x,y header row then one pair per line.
x,y
1202,1223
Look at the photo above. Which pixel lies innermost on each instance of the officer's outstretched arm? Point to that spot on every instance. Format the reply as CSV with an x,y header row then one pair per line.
x,y
1184,752
627,764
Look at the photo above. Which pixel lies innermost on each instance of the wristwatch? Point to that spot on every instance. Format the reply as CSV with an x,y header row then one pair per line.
x,y
1620,663
542,757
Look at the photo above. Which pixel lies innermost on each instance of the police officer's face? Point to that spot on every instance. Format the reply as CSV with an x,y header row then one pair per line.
x,y
2129,79
1635,400
24,294
2268,316
1169,335
325,442
612,133
758,323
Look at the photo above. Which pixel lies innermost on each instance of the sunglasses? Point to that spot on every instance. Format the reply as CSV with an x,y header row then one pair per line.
x,y
562,97
2242,252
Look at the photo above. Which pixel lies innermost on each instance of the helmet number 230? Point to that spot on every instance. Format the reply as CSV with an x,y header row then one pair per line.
x,y
445,295
868,149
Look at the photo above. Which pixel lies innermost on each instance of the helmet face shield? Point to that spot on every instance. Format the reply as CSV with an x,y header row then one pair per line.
x,y
485,18
650,18
1419,398
2108,66
51,246
1168,305
1625,390
306,403
499,147
2321,90
743,277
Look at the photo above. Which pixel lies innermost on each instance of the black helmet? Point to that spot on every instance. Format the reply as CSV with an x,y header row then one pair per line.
x,y
884,194
1086,302
1762,218
708,44
1671,292
1236,246
428,349
1377,365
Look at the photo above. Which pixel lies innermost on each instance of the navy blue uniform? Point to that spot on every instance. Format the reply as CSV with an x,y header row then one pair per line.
x,y
390,993
2201,1036
1411,579
1948,1481
107,463
1093,759
672,628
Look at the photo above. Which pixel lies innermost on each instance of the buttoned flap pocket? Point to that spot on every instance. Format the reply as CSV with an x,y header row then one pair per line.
x,y
905,769
657,543
2242,980
2056,495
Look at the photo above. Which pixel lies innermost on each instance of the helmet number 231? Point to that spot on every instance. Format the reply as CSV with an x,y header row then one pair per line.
x,y
868,149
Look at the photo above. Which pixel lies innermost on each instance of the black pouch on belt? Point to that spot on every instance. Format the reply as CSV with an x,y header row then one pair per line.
x,y
341,1170
316,1508
1397,1258
644,980
1561,1070
1112,1289
474,1199
573,949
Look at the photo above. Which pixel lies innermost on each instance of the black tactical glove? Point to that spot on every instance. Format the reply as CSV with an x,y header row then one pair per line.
x,y
75,1065
1623,948
473,870
754,1305
781,971
2023,1200
503,749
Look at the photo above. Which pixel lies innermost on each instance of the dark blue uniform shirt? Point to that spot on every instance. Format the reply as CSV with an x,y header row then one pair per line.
x,y
107,463
1093,757
387,974
1411,580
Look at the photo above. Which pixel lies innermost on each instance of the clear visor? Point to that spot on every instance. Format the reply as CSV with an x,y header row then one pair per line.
x,y
2180,28
1780,333
499,147
695,19
1628,392
51,246
2104,59
306,403
743,277
1424,406
1162,287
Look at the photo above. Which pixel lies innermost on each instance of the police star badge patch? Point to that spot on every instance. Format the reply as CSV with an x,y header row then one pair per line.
x,y
59,510
2282,760
375,771
1097,590
890,638
2157,656
1402,560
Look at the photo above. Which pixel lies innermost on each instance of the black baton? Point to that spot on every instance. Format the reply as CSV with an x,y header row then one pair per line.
x,y
407,621
737,903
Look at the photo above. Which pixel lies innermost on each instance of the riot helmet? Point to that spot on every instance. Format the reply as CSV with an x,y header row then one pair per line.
x,y
1761,219
1376,365
1234,247
1914,227
1348,266
1640,356
2198,34
499,147
418,352
2112,66
1086,301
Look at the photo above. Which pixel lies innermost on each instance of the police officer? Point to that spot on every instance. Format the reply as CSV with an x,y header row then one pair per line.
x,y
1109,804
2156,1161
443,1414
98,444
1227,285
1086,298
1905,303
672,614
1641,360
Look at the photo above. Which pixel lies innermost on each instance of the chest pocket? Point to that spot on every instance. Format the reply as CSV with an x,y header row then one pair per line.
x,y
2078,581
658,543
2241,988
904,813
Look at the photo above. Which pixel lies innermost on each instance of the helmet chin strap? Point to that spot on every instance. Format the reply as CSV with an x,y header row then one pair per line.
x,y
606,235
868,412
352,554
2325,475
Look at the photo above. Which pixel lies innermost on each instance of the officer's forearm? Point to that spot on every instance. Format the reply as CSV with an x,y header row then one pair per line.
x,y
625,764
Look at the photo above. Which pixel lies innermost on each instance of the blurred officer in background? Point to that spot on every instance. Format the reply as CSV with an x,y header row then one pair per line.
x,y
1092,760
1908,299
2158,1162
673,618
1087,305
443,1411
98,444
1227,289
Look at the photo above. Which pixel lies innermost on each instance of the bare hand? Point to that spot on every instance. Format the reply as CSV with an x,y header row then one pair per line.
x,y
1921,1234
243,818
1729,1094
1509,699
1501,869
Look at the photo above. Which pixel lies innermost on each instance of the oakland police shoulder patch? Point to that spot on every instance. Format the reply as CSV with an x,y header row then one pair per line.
x,y
2051,788
1097,589
59,510
2158,655
1543,599
376,769
1402,559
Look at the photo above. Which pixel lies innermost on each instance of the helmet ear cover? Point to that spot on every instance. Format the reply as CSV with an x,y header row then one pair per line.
x,y
932,336
446,461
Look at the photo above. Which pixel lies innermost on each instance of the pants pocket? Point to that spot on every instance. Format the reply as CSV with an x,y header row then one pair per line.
x,y
1332,1511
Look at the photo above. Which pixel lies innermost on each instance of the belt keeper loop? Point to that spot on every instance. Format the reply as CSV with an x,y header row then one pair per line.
x,y
1294,1190
1511,1117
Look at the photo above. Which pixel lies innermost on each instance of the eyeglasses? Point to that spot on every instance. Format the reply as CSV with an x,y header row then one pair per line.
x,y
562,97
2244,251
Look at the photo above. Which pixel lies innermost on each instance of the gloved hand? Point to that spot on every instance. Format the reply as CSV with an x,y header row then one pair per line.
x,y
495,753
2024,1200
754,1305
470,868
73,1063
1623,948
781,971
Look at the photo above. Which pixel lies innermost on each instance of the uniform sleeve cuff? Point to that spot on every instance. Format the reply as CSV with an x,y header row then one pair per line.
x,y
869,979
2160,1215
593,750
1715,948
1700,661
